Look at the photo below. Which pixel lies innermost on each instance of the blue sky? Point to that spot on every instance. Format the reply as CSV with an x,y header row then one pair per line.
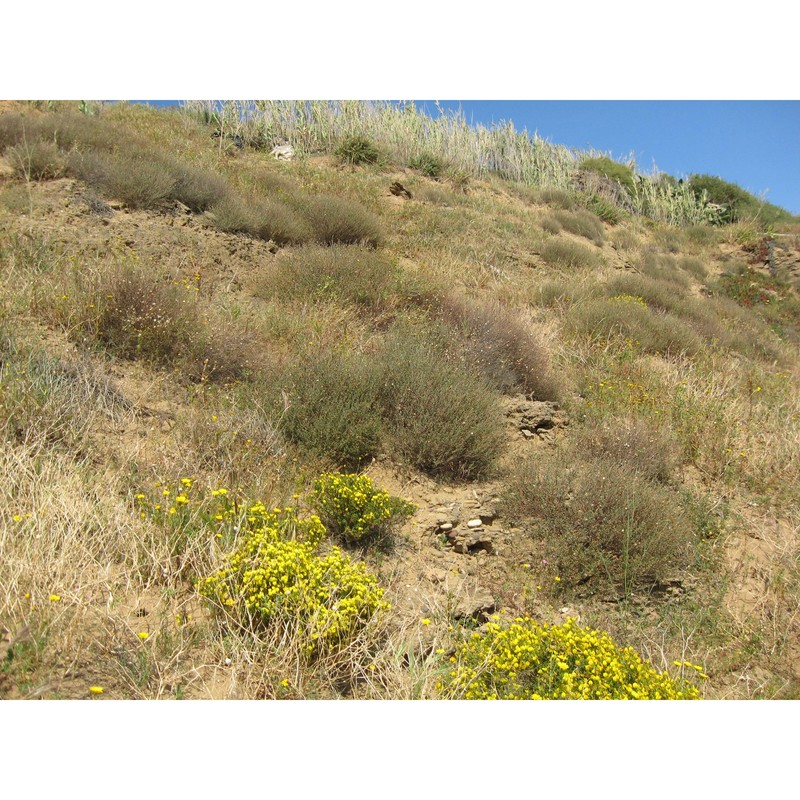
x,y
755,144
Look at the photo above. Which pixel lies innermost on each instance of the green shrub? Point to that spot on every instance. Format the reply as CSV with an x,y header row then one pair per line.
x,y
738,204
528,660
276,575
621,173
428,164
340,272
357,150
333,409
352,507
442,419
38,161
551,225
663,267
570,255
334,220
606,528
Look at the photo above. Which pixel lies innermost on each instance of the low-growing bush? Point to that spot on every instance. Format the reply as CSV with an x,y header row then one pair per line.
x,y
663,267
334,220
604,208
270,220
441,418
352,507
628,320
136,314
198,189
278,575
340,272
494,341
140,180
528,660
648,450
559,198
606,528
357,150
570,255
331,407
581,223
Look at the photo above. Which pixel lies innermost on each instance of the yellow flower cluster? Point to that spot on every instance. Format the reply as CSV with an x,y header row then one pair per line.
x,y
531,661
352,507
277,573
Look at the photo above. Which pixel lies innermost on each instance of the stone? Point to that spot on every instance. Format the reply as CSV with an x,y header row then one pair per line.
x,y
479,604
475,523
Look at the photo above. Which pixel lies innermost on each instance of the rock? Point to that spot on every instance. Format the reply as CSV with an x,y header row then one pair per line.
x,y
475,523
534,417
479,604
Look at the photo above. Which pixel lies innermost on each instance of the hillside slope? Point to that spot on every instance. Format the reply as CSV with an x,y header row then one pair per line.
x,y
593,421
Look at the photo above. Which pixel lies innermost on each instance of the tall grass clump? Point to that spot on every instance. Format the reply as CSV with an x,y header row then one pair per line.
x,y
357,150
38,161
441,418
607,528
581,223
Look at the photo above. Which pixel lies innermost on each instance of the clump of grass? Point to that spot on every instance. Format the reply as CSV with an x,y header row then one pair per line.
x,y
441,418
581,223
607,528
694,266
335,220
329,407
267,219
604,209
358,150
340,272
558,198
569,255
37,161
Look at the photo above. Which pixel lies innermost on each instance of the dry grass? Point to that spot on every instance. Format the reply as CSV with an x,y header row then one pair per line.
x,y
569,255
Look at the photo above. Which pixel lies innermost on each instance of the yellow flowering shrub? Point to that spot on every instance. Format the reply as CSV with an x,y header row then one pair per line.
x,y
532,661
352,507
277,573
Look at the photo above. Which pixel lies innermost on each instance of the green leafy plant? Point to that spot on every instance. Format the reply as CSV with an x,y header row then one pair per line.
x,y
621,173
352,507
528,660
